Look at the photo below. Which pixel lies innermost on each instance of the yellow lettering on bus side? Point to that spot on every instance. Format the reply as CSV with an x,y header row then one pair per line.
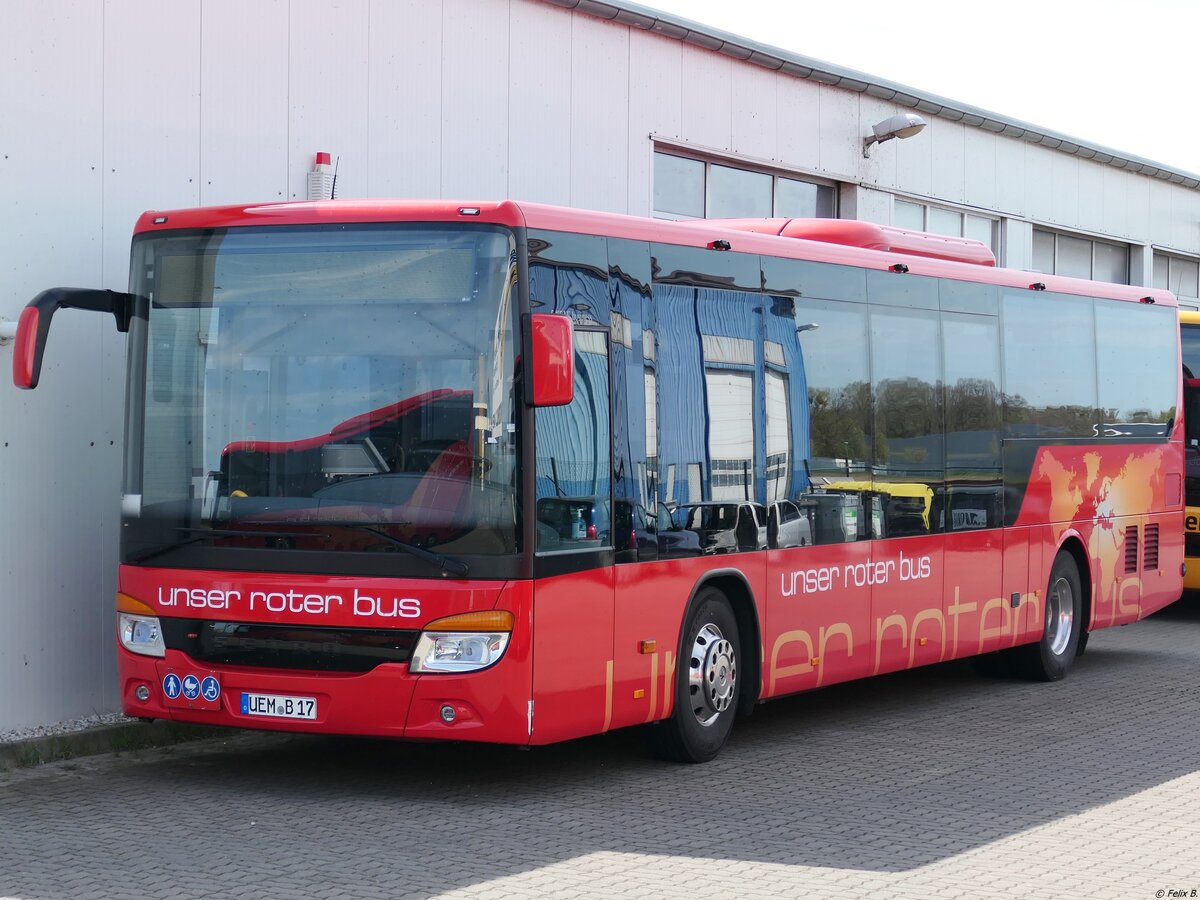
x,y
841,629
881,627
789,637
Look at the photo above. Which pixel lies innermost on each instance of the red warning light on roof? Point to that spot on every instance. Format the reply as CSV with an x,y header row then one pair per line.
x,y
323,159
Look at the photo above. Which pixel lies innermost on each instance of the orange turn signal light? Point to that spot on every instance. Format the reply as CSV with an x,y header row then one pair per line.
x,y
127,604
485,620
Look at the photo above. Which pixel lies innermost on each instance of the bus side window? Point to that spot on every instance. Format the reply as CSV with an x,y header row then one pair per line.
x,y
908,426
974,481
574,456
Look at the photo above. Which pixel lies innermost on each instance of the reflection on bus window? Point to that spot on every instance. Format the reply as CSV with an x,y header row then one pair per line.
x,y
574,457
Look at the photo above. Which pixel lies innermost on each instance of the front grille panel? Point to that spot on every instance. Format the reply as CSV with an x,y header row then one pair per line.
x,y
303,647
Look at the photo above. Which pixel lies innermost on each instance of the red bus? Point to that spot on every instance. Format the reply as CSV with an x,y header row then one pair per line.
x,y
514,473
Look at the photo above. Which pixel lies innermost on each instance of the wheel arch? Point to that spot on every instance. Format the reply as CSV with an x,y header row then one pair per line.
x,y
1073,545
736,588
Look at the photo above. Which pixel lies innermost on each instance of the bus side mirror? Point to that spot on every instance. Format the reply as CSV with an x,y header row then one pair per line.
x,y
34,325
550,371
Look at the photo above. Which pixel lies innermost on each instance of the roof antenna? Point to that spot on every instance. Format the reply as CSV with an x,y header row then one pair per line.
x,y
333,184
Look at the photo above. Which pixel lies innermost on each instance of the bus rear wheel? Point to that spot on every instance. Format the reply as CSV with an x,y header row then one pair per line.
x,y
1050,658
706,684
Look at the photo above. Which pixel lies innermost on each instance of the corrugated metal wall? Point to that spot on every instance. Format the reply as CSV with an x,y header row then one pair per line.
x,y
109,108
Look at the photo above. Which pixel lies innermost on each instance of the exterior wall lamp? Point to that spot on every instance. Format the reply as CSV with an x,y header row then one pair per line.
x,y
903,125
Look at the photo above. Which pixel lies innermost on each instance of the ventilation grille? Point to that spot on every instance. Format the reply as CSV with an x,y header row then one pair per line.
x,y
1150,551
308,648
1131,549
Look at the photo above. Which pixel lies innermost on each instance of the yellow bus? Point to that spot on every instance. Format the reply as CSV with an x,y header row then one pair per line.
x,y
1189,335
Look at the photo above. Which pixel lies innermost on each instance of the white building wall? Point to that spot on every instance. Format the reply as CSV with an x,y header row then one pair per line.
x,y
58,521
110,107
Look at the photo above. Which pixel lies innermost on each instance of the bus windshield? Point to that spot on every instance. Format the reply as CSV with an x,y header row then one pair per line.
x,y
322,388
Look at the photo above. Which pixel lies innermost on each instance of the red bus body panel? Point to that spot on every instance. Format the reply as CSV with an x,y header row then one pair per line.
x,y
491,705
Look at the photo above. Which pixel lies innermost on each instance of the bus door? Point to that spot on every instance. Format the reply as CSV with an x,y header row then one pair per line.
x,y
574,561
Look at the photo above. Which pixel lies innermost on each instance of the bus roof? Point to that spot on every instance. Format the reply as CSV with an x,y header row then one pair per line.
x,y
838,241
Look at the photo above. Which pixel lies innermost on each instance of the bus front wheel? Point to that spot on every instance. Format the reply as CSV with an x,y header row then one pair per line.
x,y
706,683
1050,658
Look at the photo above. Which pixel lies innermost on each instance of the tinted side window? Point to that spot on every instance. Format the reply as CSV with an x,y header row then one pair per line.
x,y
1135,353
568,274
708,359
1189,336
971,350
833,339
574,457
800,278
1049,366
730,341
906,373
635,438
965,296
894,289
705,268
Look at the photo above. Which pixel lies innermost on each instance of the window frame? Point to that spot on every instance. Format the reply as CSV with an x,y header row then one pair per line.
x,y
754,167
963,212
1173,259
1090,239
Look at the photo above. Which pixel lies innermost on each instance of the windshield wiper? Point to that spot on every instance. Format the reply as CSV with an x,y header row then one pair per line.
x,y
203,534
445,563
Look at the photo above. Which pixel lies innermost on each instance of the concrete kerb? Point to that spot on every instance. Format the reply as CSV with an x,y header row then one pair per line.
x,y
119,738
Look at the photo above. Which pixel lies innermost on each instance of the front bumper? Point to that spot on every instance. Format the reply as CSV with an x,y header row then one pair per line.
x,y
490,705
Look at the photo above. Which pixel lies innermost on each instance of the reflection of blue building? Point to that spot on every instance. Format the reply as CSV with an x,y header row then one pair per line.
x,y
709,398
573,455
574,442
731,363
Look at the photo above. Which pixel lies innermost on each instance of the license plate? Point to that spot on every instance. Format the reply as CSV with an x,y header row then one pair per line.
x,y
277,707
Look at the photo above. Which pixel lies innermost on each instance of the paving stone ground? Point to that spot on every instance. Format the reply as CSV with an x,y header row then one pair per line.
x,y
936,783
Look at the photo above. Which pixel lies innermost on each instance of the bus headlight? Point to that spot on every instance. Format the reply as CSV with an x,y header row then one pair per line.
x,y
141,634
138,629
464,643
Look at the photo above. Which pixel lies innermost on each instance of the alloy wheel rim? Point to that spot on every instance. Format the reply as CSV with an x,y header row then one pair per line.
x,y
1060,615
712,675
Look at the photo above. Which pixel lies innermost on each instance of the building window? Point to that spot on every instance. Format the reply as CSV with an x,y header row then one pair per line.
x,y
678,186
691,188
943,220
1080,257
1179,275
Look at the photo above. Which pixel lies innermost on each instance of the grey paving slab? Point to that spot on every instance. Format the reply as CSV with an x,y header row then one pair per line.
x,y
929,784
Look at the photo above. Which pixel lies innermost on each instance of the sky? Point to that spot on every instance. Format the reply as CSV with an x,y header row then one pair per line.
x,y
1122,76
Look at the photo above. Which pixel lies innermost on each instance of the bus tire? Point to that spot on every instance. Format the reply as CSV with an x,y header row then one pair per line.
x,y
706,683
1051,657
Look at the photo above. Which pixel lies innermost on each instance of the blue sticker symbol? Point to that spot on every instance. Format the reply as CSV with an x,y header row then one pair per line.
x,y
191,687
210,689
171,686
